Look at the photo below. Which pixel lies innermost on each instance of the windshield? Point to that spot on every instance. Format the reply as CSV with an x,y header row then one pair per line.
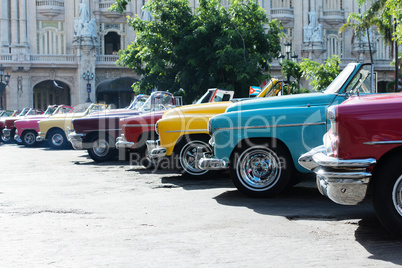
x,y
50,110
63,110
24,112
340,80
138,101
158,101
96,108
206,97
274,90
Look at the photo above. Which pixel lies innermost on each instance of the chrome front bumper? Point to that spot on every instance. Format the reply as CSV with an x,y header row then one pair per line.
x,y
7,133
41,137
76,140
206,161
343,181
122,143
154,150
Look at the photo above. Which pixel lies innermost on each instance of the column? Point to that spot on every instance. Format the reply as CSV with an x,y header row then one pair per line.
x,y
14,23
23,22
5,26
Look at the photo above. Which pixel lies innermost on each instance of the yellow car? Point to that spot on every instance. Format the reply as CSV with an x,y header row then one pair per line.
x,y
181,130
56,128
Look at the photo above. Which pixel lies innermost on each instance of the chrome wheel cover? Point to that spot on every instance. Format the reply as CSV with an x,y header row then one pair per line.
x,y
100,147
187,157
29,138
258,169
57,139
4,139
397,195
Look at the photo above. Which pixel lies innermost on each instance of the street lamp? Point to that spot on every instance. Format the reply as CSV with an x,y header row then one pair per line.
x,y
3,84
88,77
294,57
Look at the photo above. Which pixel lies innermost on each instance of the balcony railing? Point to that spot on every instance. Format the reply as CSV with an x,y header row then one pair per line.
x,y
52,58
283,14
58,3
106,58
105,4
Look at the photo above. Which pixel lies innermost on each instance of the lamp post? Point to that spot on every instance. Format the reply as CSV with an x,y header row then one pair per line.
x,y
3,84
88,77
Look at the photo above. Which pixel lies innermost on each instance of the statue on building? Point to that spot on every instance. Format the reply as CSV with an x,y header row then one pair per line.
x,y
313,31
83,25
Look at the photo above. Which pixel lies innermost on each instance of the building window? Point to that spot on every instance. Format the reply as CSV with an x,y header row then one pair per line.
x,y
334,44
112,37
332,4
50,37
383,51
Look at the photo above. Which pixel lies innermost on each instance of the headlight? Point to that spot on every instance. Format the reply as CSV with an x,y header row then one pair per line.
x,y
331,114
156,128
16,132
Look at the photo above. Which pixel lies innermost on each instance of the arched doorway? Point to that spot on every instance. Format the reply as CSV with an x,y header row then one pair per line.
x,y
112,43
51,92
118,92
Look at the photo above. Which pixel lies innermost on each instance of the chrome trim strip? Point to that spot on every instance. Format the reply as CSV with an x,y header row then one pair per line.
x,y
270,126
138,125
186,130
381,142
328,161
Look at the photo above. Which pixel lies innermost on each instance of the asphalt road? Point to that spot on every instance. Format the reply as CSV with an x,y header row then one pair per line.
x,y
60,209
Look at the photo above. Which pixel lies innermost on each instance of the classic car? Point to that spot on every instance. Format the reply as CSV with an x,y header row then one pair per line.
x,y
97,133
260,141
9,129
3,124
182,130
362,153
27,129
6,113
54,129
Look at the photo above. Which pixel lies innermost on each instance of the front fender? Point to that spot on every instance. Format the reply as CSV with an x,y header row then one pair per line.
x,y
299,128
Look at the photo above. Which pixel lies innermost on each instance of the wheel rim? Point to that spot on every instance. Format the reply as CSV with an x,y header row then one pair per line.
x,y
187,157
57,139
4,139
259,169
100,147
397,195
29,138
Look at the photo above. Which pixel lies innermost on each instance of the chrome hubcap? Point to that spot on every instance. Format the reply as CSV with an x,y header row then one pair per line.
x,y
101,147
187,157
397,195
57,139
259,169
29,138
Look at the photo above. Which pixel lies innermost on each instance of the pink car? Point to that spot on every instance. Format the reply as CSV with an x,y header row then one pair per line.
x,y
27,129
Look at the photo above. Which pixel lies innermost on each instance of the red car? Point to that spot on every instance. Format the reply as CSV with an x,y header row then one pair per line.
x,y
362,153
8,131
27,128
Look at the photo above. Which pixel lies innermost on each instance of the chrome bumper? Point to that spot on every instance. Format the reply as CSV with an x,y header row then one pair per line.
x,y
343,181
7,132
206,161
122,143
154,150
41,137
76,140
17,137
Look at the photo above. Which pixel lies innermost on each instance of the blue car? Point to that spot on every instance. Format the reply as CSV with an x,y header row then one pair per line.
x,y
261,140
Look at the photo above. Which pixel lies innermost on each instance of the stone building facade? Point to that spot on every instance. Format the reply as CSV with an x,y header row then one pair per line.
x,y
47,45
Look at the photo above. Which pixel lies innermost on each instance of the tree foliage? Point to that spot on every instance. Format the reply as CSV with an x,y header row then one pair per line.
x,y
321,74
210,47
293,70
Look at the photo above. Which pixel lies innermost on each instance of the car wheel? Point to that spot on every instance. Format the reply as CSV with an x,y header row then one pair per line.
x,y
387,195
261,171
29,138
57,139
187,158
5,139
101,149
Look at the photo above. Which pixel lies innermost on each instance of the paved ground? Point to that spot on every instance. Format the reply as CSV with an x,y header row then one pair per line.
x,y
60,209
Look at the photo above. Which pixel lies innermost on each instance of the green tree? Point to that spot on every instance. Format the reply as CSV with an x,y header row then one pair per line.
x,y
210,47
293,70
321,74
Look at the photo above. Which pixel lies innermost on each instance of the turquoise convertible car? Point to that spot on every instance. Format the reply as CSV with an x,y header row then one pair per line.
x,y
260,141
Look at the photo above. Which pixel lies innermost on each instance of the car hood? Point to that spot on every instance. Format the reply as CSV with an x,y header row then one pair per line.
x,y
299,100
205,108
